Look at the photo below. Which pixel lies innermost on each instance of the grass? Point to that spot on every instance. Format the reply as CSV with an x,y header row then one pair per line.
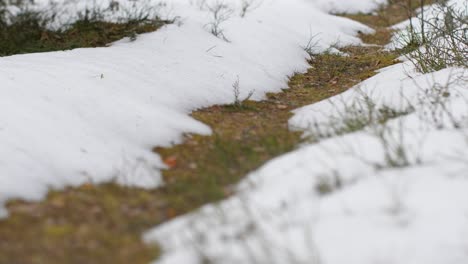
x,y
385,17
103,224
28,33
441,42
69,227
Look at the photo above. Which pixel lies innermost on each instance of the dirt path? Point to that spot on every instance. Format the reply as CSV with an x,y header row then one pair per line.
x,y
103,224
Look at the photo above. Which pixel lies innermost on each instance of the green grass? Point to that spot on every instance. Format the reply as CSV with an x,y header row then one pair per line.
x,y
28,33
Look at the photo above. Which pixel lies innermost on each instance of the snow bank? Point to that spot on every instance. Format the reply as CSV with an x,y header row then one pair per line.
x,y
431,12
341,200
391,192
349,6
94,114
432,17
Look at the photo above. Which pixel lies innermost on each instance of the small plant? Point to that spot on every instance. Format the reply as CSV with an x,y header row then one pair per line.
x,y
312,45
238,102
440,41
361,112
437,100
220,13
247,6
395,148
329,183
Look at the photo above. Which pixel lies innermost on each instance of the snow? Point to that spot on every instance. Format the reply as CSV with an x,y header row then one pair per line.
x,y
433,15
378,213
431,12
392,192
396,192
94,115
349,6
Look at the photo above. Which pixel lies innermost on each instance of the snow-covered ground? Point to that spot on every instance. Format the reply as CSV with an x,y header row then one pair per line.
x,y
375,211
94,114
394,192
434,15
350,6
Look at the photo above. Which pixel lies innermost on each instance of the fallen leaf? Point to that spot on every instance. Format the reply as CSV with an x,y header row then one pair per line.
x,y
171,161
282,107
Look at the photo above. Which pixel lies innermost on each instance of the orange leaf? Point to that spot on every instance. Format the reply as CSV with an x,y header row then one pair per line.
x,y
171,161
